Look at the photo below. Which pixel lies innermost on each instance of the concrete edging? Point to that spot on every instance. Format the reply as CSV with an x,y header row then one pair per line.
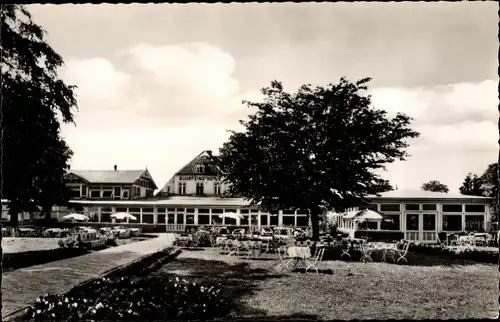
x,y
20,314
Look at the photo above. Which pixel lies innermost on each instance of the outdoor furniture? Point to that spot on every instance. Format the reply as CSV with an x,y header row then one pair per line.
x,y
401,254
318,256
390,251
298,254
366,251
283,258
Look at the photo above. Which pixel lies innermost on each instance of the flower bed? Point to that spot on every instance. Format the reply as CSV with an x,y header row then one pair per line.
x,y
477,254
134,297
13,261
129,299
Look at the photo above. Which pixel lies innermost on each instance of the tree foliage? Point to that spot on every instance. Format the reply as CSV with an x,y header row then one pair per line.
x,y
313,150
435,186
472,185
34,102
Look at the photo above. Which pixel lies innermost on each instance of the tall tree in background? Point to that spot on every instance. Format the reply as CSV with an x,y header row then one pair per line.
x,y
34,100
435,186
472,185
314,150
490,186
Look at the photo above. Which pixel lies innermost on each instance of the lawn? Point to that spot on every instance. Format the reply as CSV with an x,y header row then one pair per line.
x,y
351,290
24,244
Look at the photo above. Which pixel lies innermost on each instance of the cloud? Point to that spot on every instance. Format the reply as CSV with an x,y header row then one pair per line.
x,y
162,105
462,115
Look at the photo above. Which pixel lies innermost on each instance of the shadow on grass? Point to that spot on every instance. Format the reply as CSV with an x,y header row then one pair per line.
x,y
236,281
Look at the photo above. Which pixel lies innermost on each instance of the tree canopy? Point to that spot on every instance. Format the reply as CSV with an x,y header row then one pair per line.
x,y
472,185
483,185
316,149
435,186
34,102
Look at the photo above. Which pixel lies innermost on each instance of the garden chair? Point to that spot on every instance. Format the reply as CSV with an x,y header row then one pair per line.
x,y
366,251
318,256
344,248
389,253
284,260
401,254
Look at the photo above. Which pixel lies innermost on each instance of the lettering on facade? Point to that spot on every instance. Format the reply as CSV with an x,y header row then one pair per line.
x,y
197,178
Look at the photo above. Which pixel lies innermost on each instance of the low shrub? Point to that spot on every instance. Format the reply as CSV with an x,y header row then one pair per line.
x,y
202,238
129,299
473,254
36,257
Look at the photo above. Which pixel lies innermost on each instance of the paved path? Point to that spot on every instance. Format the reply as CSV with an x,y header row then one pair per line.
x,y
21,287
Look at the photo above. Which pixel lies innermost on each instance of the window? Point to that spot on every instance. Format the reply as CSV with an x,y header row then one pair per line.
x,y
273,219
93,217
245,211
180,209
203,219
229,221
429,222
148,210
367,225
200,168
203,210
171,219
171,209
107,193
182,188
160,210
95,193
147,218
429,206
452,208
217,190
412,221
161,219
390,222
390,207
452,222
412,206
75,193
474,222
105,217
474,208
372,206
199,188
134,210
149,192
117,192
217,211
288,212
245,220
302,221
263,220
189,219
84,191
288,220
119,209
125,193
190,210
180,219
254,210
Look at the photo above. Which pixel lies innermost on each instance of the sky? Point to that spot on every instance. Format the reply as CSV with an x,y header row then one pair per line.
x,y
160,83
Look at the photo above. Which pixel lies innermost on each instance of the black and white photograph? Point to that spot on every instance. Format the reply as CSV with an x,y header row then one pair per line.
x,y
249,161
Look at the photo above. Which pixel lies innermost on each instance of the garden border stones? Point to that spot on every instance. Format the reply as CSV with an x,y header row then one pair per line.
x,y
139,267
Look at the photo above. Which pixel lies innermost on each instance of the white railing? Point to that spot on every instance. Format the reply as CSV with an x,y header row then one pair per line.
x,y
175,227
412,235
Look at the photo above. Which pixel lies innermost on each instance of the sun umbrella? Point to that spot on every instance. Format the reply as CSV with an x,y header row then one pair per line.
x,y
363,215
231,215
75,216
123,215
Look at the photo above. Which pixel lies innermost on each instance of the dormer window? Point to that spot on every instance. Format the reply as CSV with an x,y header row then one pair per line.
x,y
200,168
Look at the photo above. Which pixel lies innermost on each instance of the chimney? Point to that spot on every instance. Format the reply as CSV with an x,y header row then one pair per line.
x,y
115,167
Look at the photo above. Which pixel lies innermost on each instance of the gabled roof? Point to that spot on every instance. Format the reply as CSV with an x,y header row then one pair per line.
x,y
421,194
109,176
206,158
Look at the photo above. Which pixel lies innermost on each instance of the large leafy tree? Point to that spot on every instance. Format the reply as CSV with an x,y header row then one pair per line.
x,y
490,183
315,149
435,186
472,185
34,101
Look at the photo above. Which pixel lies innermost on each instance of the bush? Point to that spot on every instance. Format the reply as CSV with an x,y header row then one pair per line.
x,y
126,299
69,242
37,257
202,238
457,252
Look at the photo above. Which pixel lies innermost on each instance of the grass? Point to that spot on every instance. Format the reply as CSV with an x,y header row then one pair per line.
x,y
352,290
24,244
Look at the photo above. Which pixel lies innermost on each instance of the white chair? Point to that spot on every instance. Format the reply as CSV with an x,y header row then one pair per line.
x,y
401,254
284,260
366,250
318,256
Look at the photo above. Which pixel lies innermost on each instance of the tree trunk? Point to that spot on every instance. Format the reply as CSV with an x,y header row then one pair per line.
x,y
1,264
315,224
14,218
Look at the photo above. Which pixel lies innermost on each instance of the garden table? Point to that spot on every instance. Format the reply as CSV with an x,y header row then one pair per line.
x,y
298,254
